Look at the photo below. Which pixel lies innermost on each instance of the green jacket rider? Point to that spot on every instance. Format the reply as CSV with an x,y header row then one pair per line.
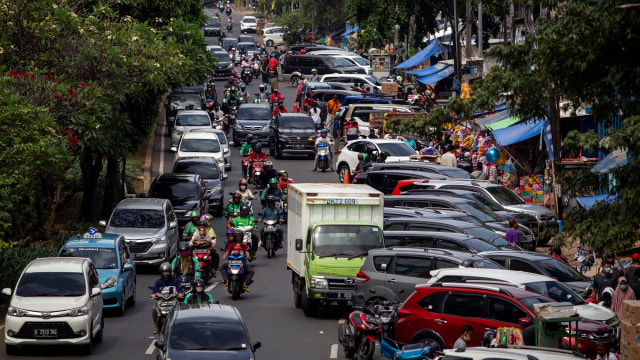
x,y
245,218
192,226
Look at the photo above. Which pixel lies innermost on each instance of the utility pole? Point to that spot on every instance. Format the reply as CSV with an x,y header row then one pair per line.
x,y
313,28
467,31
456,43
480,50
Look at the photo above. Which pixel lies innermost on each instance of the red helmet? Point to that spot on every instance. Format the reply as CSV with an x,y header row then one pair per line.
x,y
302,51
243,182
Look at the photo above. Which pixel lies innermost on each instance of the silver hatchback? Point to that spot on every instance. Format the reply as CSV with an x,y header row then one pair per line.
x,y
149,226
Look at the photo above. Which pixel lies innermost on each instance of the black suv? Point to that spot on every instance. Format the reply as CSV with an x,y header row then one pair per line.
x,y
252,119
292,133
210,173
386,181
301,65
186,192
206,331
391,274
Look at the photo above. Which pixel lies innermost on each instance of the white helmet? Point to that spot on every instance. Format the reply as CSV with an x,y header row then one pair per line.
x,y
399,78
609,291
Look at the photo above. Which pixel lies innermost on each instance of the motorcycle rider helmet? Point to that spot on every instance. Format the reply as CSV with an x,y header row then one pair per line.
x,y
273,183
242,183
261,88
165,271
194,214
233,89
238,232
315,71
242,86
207,218
237,196
256,101
275,90
198,285
324,132
257,147
203,223
250,138
271,200
244,210
282,172
184,248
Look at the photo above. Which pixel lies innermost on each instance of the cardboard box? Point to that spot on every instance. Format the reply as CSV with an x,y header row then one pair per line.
x,y
628,352
629,334
390,88
631,311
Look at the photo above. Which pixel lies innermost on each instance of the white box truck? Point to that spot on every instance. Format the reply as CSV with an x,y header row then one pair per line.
x,y
331,227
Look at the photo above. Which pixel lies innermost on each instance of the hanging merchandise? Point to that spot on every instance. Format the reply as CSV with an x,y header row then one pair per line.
x,y
493,155
502,158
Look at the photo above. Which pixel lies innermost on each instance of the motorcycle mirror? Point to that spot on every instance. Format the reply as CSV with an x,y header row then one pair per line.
x,y
256,345
159,344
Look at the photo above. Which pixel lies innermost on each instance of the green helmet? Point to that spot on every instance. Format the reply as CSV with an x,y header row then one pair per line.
x,y
194,213
314,70
273,181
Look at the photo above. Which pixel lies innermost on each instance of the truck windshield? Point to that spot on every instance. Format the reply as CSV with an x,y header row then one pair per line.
x,y
345,240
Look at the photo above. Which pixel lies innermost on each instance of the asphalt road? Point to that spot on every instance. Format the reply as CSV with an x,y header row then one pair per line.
x,y
268,309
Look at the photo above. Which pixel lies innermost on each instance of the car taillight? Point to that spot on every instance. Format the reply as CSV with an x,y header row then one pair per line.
x,y
403,313
361,278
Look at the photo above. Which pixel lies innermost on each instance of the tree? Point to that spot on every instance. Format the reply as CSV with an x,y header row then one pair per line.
x,y
295,21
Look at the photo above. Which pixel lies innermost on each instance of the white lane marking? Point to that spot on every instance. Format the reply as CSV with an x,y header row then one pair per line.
x,y
341,321
151,348
334,351
162,142
211,287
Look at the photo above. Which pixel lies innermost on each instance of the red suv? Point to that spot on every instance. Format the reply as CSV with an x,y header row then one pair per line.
x,y
439,311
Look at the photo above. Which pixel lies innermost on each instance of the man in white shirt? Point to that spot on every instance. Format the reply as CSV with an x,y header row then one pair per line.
x,y
315,115
449,159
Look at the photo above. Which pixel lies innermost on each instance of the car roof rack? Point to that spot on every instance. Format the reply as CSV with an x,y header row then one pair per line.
x,y
422,249
483,286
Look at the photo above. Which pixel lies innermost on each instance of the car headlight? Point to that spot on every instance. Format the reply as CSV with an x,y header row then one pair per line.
x,y
14,311
265,128
586,336
159,240
78,311
215,189
230,66
318,283
111,282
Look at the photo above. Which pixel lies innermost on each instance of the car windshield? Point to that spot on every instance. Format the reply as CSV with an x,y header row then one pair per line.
x,y
556,291
371,79
208,336
479,245
253,113
504,195
249,20
345,240
137,218
181,102
480,211
102,258
362,61
213,23
200,145
456,173
205,171
559,271
248,47
487,235
227,44
335,62
484,200
296,122
181,190
222,56
528,302
221,138
51,284
193,120
396,149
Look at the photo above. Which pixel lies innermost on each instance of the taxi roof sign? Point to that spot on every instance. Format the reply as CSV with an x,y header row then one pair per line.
x,y
92,233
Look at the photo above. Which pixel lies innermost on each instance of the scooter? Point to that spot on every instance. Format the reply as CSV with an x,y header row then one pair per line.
x,y
269,239
256,170
236,275
584,260
247,76
359,335
203,253
248,239
256,70
229,26
228,11
245,166
394,350
164,304
323,157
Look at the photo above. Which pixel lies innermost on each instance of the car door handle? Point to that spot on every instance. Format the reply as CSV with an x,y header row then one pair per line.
x,y
393,281
441,321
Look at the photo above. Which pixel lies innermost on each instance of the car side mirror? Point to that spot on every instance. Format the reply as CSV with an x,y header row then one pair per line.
x,y
174,149
102,223
6,291
127,267
256,345
299,244
159,344
173,225
95,292
225,176
524,321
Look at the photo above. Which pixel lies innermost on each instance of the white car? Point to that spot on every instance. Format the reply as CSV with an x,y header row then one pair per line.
x,y
348,157
273,35
224,143
188,120
214,48
533,282
369,81
57,301
199,144
511,353
248,23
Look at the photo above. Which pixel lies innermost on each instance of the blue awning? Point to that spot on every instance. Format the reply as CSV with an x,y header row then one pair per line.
x,y
420,57
518,132
587,202
617,158
434,78
351,31
428,71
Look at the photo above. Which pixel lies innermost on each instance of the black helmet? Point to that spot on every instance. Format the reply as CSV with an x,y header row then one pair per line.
x,y
198,282
184,246
238,232
257,147
250,137
244,208
203,223
237,196
271,199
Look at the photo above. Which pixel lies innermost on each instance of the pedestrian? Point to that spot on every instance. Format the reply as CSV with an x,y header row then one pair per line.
x,y
352,130
512,233
449,159
629,271
478,173
299,92
636,287
603,352
337,132
308,100
461,344
362,89
362,164
314,76
273,81
622,293
604,279
333,106
315,115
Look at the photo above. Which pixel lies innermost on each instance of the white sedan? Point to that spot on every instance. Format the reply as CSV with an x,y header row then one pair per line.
x,y
396,150
199,144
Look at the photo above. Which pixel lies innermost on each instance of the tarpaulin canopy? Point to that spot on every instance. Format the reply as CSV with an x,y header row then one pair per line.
x,y
493,118
434,78
587,202
428,71
616,159
518,132
350,31
420,57
504,123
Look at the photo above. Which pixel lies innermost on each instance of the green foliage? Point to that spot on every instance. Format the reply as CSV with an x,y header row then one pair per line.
x,y
294,21
13,259
259,15
425,125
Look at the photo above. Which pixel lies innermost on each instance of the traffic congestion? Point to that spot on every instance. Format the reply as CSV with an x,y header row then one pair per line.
x,y
282,219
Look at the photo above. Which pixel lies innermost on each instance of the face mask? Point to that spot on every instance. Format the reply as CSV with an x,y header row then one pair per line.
x,y
184,253
242,187
623,287
607,270
243,214
199,289
166,276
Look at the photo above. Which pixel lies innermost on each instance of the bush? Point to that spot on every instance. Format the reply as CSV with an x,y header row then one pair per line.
x,y
259,15
14,259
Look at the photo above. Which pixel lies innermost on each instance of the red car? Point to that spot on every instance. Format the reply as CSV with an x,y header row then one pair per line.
x,y
438,312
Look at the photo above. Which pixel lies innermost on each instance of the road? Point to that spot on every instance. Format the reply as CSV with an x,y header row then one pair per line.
x,y
268,309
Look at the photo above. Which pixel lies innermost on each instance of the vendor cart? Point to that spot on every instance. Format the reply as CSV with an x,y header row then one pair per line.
x,y
555,322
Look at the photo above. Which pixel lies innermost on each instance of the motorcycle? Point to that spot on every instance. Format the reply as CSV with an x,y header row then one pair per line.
x,y
236,275
394,350
247,75
228,11
584,260
556,253
256,70
248,239
245,166
202,252
256,170
229,26
269,240
164,304
366,325
323,157
285,204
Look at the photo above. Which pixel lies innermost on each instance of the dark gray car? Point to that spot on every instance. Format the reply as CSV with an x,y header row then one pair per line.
x,y
392,273
252,119
212,176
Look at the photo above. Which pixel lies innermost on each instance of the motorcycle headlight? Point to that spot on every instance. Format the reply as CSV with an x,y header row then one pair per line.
x,y
14,311
78,311
318,283
111,282
159,240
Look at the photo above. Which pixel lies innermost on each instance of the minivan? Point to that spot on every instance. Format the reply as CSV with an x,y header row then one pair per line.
x,y
300,65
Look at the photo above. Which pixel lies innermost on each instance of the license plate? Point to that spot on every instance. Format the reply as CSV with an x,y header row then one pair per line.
x,y
45,333
166,303
298,146
345,295
235,262
201,251
137,256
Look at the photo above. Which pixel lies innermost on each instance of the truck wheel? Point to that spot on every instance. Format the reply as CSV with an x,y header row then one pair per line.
x,y
309,306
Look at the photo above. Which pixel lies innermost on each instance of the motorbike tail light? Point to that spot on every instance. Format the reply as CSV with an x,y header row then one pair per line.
x,y
403,313
361,278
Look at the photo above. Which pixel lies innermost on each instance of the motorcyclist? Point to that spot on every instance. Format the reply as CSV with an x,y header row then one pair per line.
x,y
204,235
275,96
247,219
233,95
284,180
323,139
234,205
243,189
262,95
211,90
215,258
280,109
230,83
165,285
246,62
264,70
256,155
271,190
243,94
272,212
199,296
185,263
217,113
192,226
247,146
237,248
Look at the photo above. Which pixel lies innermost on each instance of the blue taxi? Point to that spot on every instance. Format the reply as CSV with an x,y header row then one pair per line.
x,y
113,261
